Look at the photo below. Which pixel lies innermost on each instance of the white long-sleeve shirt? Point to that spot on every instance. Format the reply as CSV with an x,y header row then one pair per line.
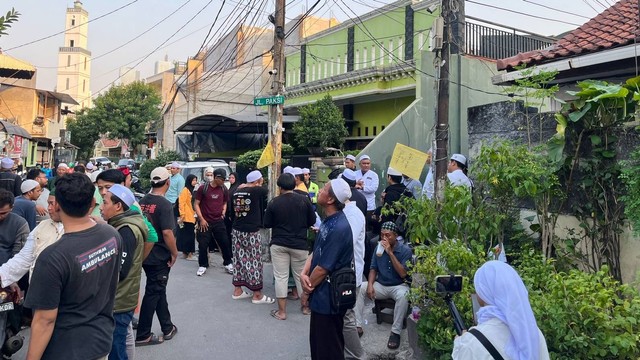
x,y
45,234
468,347
371,183
357,223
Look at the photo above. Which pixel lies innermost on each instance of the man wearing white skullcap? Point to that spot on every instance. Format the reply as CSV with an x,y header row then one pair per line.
x,y
457,171
25,205
367,182
332,250
393,193
249,202
505,318
176,183
8,180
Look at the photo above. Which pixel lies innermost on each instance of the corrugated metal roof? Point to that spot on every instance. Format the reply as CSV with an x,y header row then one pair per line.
x,y
14,68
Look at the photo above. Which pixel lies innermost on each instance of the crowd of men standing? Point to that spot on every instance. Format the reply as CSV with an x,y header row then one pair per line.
x,y
78,243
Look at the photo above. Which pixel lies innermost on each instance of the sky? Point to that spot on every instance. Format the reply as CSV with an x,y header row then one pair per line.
x,y
109,34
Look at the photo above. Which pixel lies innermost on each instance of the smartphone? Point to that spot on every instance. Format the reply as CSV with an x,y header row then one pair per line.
x,y
448,284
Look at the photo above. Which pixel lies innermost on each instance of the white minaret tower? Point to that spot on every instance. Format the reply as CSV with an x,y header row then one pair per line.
x,y
74,59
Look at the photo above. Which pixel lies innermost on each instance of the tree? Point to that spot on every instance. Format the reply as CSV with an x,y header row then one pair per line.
x,y
321,125
124,111
7,20
84,133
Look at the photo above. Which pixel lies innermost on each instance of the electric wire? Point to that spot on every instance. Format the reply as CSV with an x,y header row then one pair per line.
x,y
65,30
522,13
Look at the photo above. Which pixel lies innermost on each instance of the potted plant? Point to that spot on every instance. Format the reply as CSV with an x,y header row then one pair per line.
x,y
321,126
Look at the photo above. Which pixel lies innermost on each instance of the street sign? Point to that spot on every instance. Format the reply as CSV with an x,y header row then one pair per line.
x,y
272,100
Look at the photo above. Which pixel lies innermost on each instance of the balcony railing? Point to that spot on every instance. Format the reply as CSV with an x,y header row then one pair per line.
x,y
496,41
68,49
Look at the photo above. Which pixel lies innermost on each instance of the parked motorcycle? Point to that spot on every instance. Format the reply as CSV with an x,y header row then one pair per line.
x,y
9,299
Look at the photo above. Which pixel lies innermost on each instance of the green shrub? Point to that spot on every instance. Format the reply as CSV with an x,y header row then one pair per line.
x,y
435,327
582,315
163,158
321,124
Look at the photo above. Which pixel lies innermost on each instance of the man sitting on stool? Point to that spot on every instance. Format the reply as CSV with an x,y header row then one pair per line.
x,y
386,280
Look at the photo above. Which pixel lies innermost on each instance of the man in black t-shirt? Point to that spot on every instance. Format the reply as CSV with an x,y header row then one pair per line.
x,y
249,202
74,282
157,265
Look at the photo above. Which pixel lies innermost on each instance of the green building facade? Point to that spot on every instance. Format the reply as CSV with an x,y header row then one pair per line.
x,y
367,64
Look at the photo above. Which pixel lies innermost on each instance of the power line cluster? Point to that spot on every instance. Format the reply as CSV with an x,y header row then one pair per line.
x,y
248,13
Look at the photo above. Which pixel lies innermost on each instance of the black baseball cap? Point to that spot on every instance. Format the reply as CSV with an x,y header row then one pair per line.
x,y
219,173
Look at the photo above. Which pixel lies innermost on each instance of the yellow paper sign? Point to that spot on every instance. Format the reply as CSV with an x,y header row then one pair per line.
x,y
267,158
408,161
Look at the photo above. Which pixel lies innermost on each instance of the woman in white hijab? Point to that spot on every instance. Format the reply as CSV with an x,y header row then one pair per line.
x,y
505,318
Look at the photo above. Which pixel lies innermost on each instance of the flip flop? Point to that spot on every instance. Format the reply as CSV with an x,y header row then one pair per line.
x,y
265,300
171,333
244,295
274,314
305,310
394,341
153,340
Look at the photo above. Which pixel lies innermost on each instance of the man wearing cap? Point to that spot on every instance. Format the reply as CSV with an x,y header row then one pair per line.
x,y
211,206
41,203
249,202
25,205
387,280
367,182
159,262
89,168
74,282
116,210
350,162
177,183
310,185
61,170
8,180
349,176
332,250
457,171
300,187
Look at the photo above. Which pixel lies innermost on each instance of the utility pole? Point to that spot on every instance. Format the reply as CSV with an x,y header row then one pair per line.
x,y
442,120
277,88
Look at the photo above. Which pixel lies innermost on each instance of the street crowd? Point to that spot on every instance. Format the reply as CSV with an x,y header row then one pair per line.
x,y
77,243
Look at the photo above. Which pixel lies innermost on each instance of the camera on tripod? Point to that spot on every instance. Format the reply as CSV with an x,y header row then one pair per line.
x,y
447,286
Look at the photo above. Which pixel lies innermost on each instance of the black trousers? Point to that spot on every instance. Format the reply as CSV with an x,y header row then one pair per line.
x,y
154,301
325,337
217,233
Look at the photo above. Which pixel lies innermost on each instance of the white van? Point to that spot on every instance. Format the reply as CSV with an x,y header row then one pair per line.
x,y
197,168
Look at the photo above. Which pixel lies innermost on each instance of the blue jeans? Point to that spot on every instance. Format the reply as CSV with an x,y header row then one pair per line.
x,y
119,344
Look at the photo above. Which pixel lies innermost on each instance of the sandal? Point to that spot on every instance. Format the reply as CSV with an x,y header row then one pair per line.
x,y
152,340
244,295
274,314
305,310
394,341
265,300
171,333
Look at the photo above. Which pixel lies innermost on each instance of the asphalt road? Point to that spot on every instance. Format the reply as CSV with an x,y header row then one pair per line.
x,y
211,325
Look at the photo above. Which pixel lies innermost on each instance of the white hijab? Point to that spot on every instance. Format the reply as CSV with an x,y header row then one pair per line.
x,y
507,299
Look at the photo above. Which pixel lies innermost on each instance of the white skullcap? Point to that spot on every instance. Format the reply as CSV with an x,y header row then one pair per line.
x,y
364,157
63,166
341,190
306,171
296,171
7,163
393,172
287,170
255,175
349,174
28,185
175,164
122,193
350,157
459,158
